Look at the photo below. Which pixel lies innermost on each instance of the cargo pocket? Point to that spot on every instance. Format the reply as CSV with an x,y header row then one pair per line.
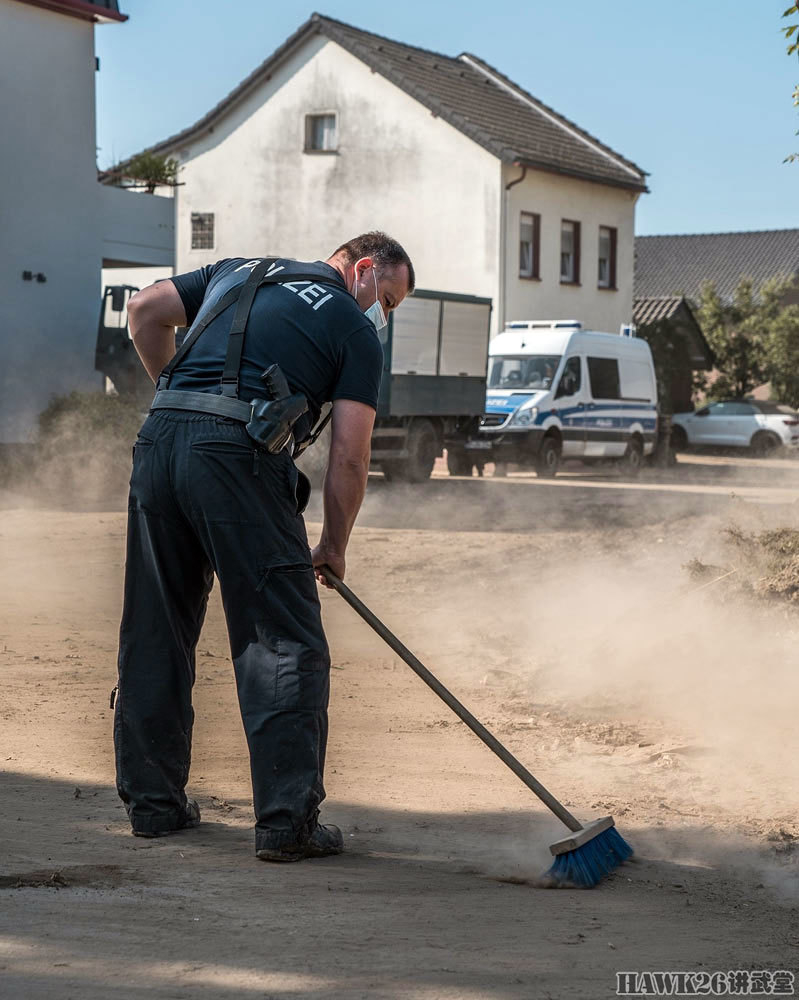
x,y
295,677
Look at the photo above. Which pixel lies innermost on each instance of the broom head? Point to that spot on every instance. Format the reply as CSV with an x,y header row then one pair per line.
x,y
585,857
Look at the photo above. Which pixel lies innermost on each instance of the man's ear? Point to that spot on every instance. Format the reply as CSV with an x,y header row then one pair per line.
x,y
363,265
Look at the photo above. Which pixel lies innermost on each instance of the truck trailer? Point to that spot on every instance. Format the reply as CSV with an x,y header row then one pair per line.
x,y
432,394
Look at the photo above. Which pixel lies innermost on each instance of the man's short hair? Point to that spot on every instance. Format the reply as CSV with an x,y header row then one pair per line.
x,y
382,249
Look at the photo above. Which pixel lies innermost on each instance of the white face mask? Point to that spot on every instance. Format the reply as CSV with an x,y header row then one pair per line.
x,y
375,312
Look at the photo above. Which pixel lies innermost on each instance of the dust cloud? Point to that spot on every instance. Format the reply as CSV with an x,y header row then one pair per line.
x,y
647,669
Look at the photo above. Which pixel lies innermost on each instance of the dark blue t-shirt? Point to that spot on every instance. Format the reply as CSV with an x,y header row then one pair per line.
x,y
316,332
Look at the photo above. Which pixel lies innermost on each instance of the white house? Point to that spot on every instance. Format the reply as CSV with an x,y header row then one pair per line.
x,y
491,192
58,223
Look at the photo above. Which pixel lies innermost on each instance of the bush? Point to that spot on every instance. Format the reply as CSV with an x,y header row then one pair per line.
x,y
84,446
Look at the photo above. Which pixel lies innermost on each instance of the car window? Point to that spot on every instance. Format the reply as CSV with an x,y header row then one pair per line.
x,y
570,380
729,408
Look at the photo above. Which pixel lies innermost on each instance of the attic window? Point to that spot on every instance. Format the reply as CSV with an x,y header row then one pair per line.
x,y
321,133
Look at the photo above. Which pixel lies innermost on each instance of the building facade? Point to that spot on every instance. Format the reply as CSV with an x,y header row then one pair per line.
x,y
491,192
58,223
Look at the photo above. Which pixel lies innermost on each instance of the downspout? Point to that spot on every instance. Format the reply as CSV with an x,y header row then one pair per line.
x,y
504,253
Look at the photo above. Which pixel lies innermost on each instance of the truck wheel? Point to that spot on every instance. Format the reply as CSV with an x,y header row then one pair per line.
x,y
459,463
422,445
548,459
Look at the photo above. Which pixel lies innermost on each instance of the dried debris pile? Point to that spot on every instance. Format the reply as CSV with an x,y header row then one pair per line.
x,y
762,564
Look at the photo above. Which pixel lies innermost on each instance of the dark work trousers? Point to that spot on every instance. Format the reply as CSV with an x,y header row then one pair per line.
x,y
203,501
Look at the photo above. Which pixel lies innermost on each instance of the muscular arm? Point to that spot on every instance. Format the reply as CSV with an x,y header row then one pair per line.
x,y
153,314
345,481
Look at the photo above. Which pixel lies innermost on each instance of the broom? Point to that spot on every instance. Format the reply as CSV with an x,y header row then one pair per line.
x,y
581,859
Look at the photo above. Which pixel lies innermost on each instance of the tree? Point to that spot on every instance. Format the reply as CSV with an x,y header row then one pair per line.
x,y
736,338
670,355
755,339
783,363
792,31
149,171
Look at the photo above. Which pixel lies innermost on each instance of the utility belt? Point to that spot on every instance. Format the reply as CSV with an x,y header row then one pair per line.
x,y
269,422
274,423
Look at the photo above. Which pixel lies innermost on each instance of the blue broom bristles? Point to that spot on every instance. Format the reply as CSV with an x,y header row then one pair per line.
x,y
585,866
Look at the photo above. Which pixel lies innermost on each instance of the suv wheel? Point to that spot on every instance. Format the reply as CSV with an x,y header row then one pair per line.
x,y
764,443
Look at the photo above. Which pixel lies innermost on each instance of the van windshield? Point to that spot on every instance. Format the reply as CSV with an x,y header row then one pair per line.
x,y
529,371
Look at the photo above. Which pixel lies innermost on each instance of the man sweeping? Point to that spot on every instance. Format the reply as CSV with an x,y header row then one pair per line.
x,y
214,491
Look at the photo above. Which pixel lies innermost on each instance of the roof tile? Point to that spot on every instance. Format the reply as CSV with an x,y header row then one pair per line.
x,y
677,265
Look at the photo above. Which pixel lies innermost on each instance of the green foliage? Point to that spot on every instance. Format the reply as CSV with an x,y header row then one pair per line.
x,y
85,417
670,355
736,336
755,339
790,30
791,33
84,446
152,171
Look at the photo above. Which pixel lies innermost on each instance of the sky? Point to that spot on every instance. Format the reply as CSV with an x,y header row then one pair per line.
x,y
697,93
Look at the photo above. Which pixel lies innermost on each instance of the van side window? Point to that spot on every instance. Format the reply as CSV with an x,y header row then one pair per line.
x,y
570,379
603,374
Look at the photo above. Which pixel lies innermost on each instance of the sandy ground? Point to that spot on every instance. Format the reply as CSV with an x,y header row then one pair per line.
x,y
562,615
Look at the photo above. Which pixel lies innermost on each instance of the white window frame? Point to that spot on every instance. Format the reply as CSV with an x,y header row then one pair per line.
x,y
573,277
308,119
609,281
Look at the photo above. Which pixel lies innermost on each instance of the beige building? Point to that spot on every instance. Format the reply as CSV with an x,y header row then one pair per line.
x,y
492,193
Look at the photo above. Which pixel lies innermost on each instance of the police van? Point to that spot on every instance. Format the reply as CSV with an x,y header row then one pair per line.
x,y
557,391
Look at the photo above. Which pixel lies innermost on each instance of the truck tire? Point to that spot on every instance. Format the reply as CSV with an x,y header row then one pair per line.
x,y
422,446
548,458
459,462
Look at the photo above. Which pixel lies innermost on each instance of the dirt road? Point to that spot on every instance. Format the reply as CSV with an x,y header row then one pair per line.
x,y
569,627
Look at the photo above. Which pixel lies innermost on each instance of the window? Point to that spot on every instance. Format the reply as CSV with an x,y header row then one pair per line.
x,y
529,245
731,409
531,371
607,257
569,252
202,230
321,133
570,380
604,376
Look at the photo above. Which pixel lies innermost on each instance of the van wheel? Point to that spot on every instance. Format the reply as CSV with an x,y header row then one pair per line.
x,y
422,445
459,462
548,459
633,457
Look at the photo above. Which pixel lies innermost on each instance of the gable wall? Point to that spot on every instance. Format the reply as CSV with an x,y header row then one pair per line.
x,y
398,168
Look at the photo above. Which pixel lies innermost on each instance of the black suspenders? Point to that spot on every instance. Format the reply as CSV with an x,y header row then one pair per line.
x,y
243,295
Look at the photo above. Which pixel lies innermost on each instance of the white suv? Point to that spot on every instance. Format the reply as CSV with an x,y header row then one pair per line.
x,y
737,423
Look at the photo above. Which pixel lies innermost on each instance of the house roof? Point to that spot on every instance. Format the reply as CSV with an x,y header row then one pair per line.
x,y
100,11
677,265
465,92
677,312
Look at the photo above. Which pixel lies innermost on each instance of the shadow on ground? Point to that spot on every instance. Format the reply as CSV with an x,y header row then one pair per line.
x,y
422,904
